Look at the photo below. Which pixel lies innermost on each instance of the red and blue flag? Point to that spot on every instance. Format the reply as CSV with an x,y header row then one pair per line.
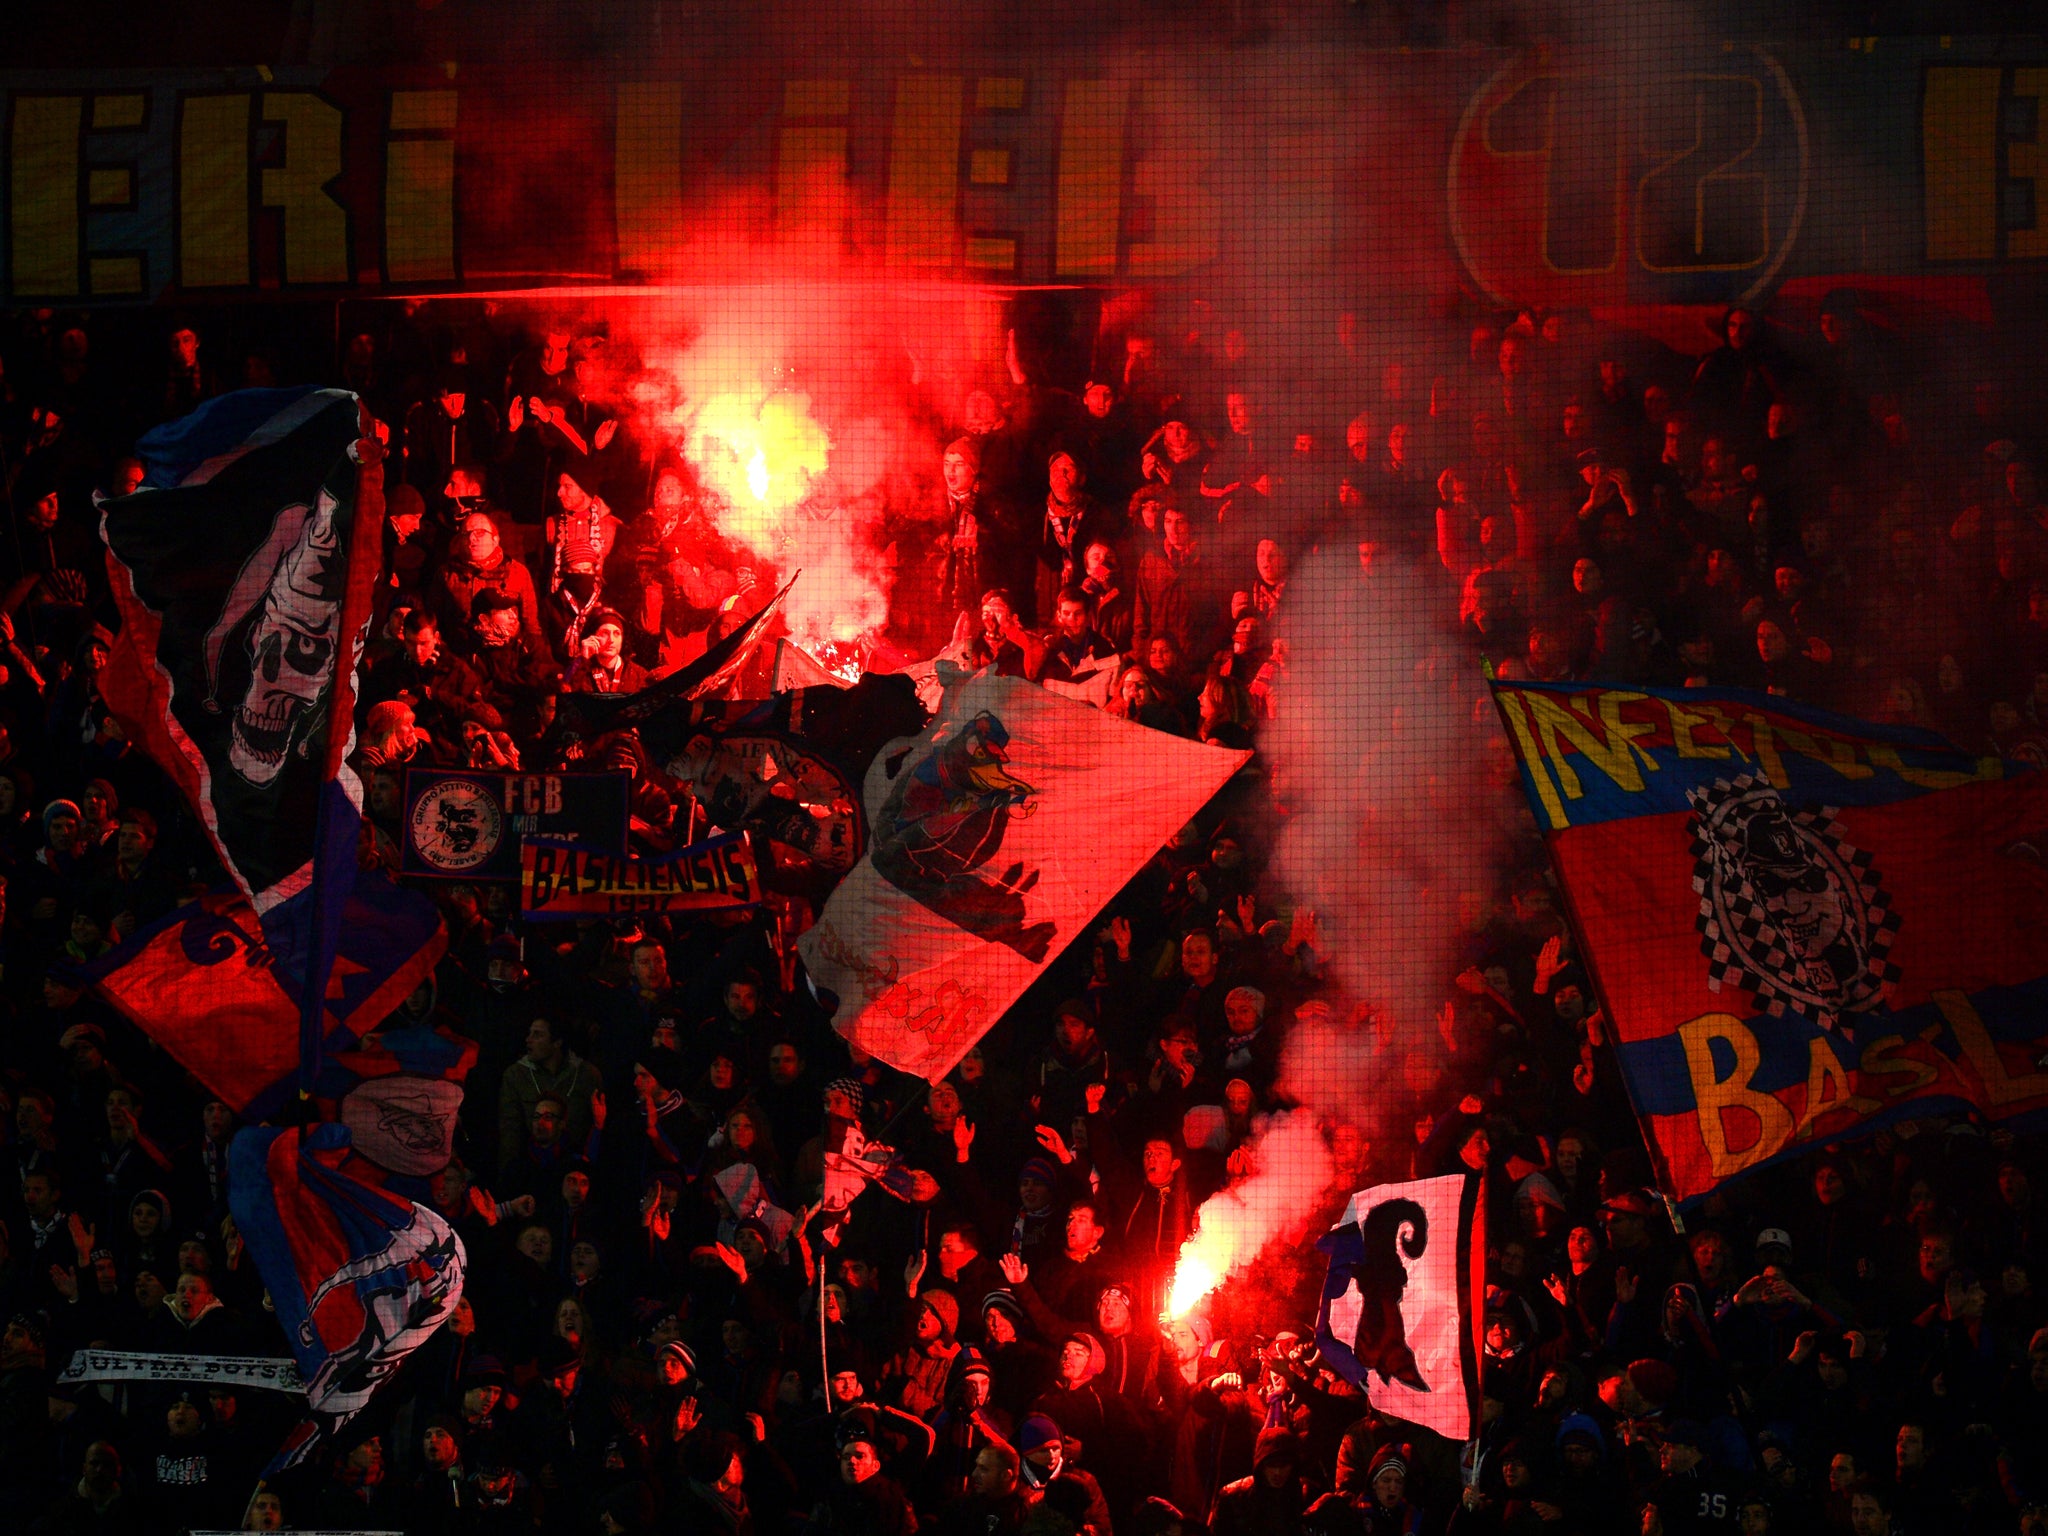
x,y
1801,925
243,569
360,1276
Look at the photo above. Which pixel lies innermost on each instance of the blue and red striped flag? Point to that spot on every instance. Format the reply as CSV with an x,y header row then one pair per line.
x,y
1801,925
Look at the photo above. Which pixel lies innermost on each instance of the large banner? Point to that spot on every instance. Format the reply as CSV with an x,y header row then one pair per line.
x,y
466,824
993,842
267,1372
1801,925
566,881
1402,1303
1684,169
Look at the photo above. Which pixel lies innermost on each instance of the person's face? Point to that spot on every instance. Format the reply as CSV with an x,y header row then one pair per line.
x,y
1134,689
1064,475
991,1475
1936,1257
185,347
858,1463
1911,1447
194,1293
609,639
149,1291
1717,459
538,1244
995,614
541,1041
997,1327
785,1066
1033,1193
1237,1099
439,1449
1198,957
1867,1517
1074,1359
1113,1312
574,499
143,1220
2013,1186
63,832
1677,1459
425,645
1161,657
1710,1258
1272,562
742,1000
183,1419
1178,439
193,1258
1833,1373
721,1072
1179,532
1741,328
132,843
1771,643
1390,1487
959,473
1828,1185
1581,1246
583,1265
650,968
673,1371
1071,618
1238,411
481,1400
85,931
741,1131
1159,1163
1073,1035
1083,1231
42,514
1099,562
1099,400
481,538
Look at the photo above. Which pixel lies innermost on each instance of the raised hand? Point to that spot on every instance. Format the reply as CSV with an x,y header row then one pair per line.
x,y
1549,961
963,1138
601,438
1014,1269
913,1271
1054,1143
1120,936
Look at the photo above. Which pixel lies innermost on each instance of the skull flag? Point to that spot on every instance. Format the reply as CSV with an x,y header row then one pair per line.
x,y
360,1276
1401,1306
243,570
1802,926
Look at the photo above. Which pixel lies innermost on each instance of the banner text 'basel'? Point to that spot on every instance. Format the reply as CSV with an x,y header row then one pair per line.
x,y
1802,925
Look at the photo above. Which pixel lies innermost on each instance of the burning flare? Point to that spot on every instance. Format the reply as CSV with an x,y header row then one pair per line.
x,y
1290,1171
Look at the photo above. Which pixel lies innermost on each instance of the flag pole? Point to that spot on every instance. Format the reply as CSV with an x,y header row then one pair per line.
x,y
334,868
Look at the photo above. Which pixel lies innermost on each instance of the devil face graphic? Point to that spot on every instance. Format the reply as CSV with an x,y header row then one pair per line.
x,y
291,643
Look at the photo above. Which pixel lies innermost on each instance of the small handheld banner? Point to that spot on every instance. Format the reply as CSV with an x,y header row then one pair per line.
x,y
1402,1307
576,880
267,1372
463,824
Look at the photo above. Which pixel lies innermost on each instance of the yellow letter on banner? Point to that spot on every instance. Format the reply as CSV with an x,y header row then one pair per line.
x,y
213,191
1716,1095
1959,162
923,224
1178,152
419,189
647,173
2001,1090
43,208
1090,214
315,225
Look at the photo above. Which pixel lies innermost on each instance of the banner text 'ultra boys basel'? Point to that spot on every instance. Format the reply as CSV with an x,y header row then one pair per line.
x,y
1700,172
1802,925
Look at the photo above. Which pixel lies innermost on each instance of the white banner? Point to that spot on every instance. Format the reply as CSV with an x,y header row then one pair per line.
x,y
272,1375
995,843
1406,1267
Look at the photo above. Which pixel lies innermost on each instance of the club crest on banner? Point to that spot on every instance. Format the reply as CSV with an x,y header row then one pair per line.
x,y
456,825
1790,911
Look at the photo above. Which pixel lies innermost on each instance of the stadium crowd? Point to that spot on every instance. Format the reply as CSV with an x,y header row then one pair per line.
x,y
1853,1341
